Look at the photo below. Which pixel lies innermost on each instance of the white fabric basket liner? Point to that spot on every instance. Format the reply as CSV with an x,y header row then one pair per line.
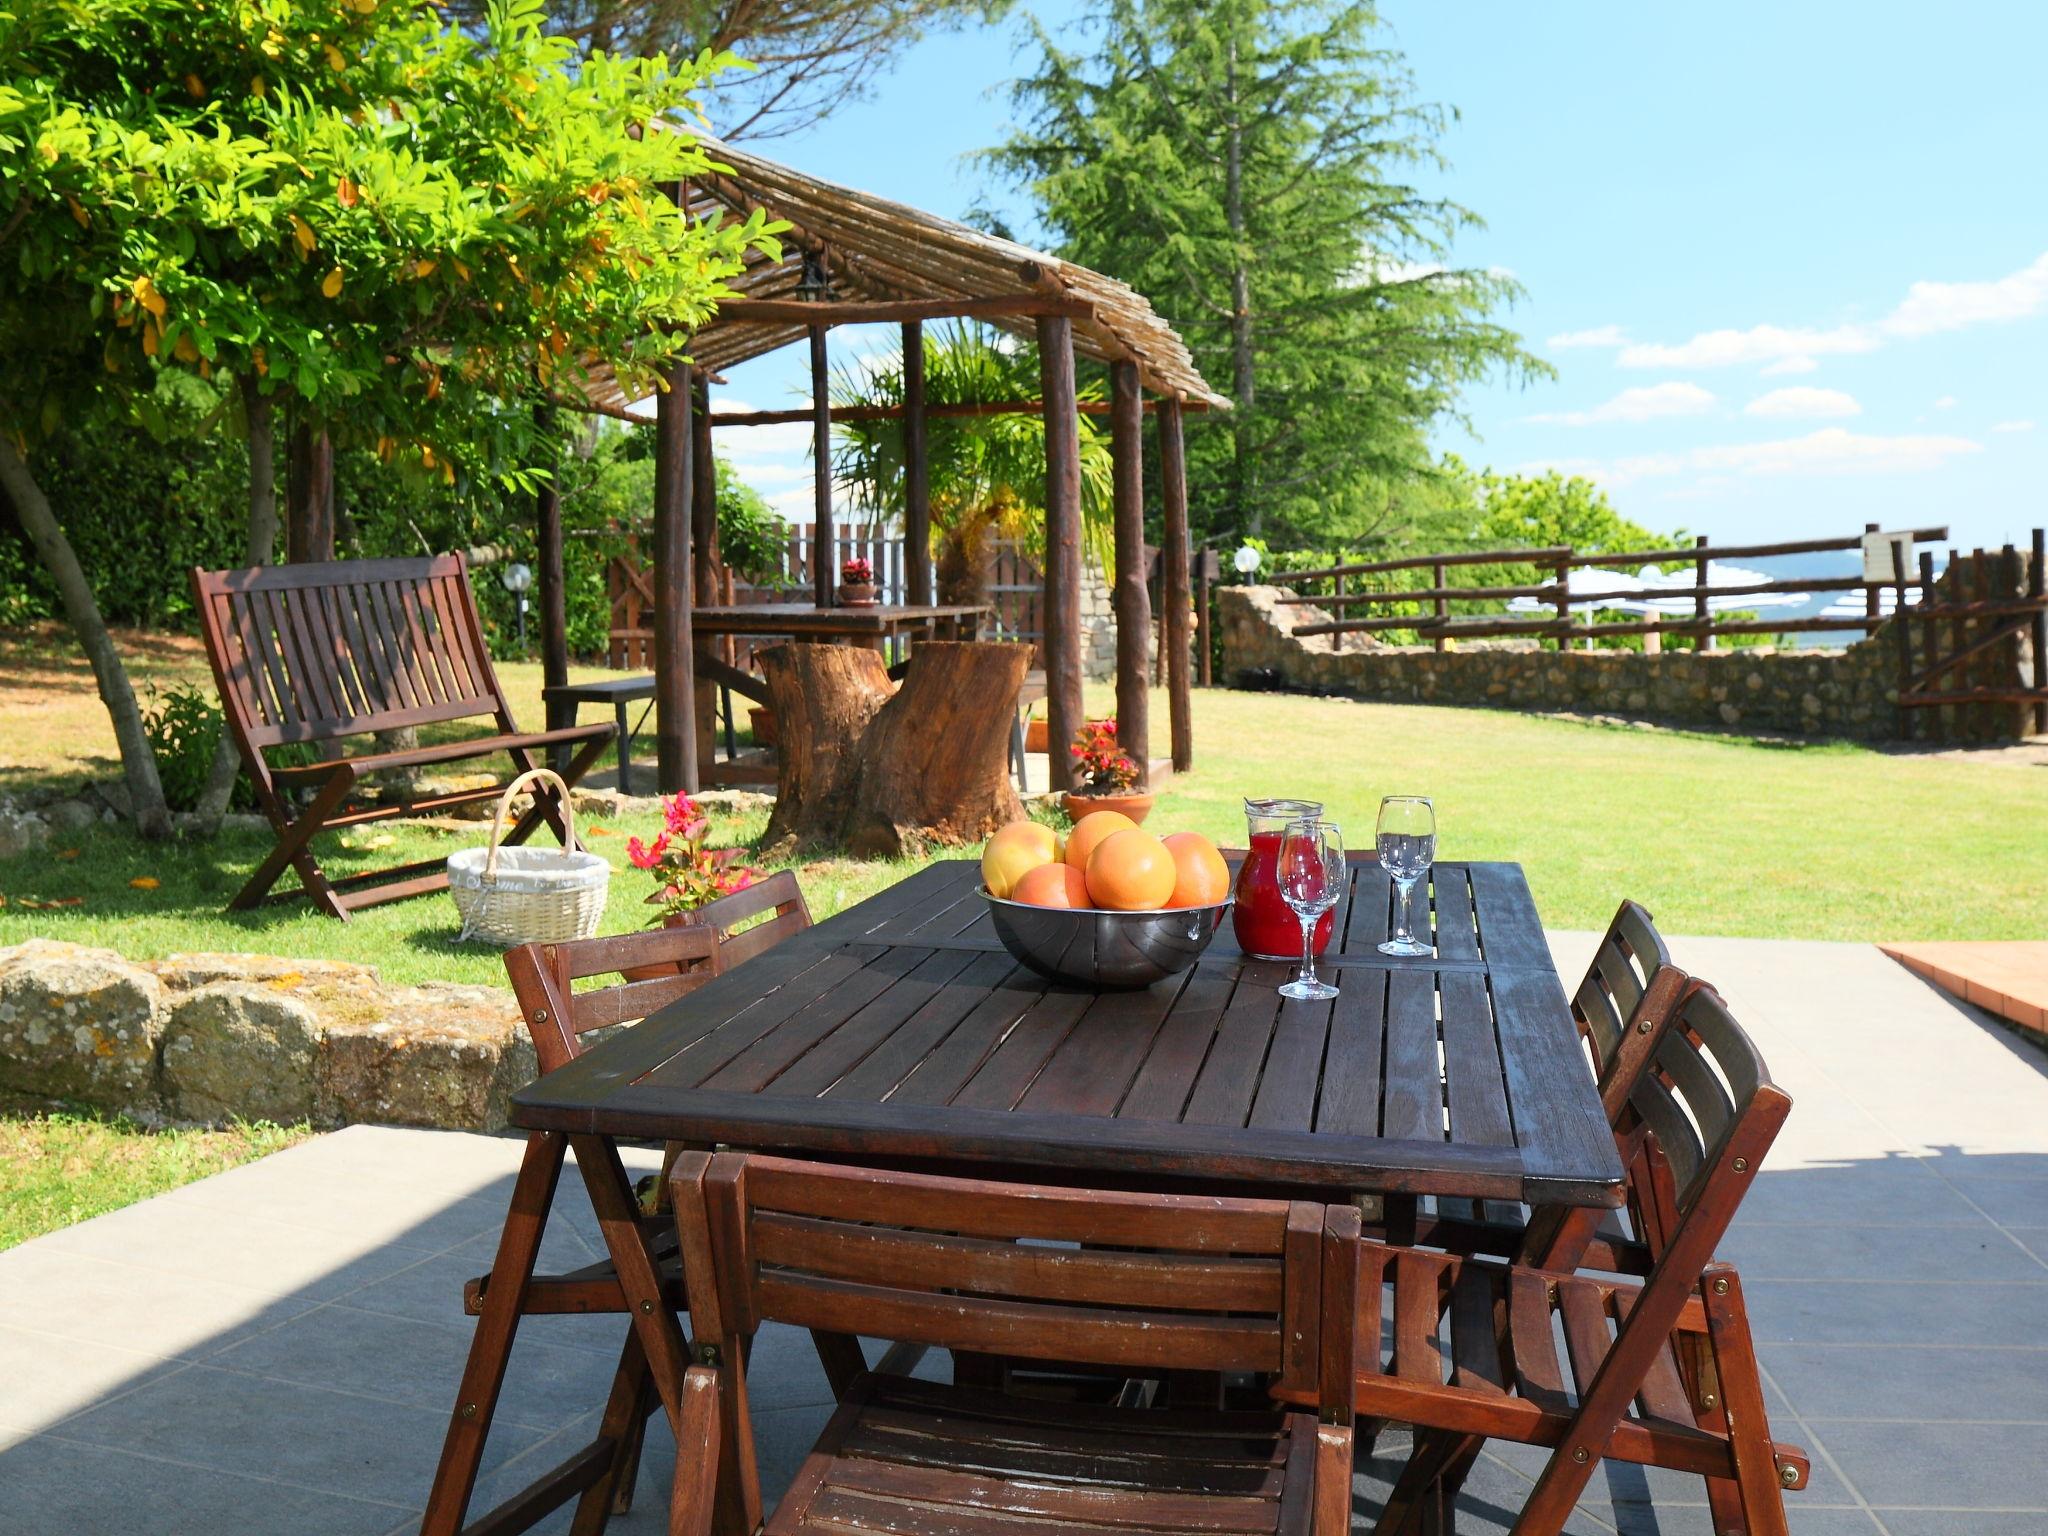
x,y
536,870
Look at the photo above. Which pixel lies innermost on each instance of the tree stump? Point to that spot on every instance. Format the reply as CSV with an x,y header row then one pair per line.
x,y
886,771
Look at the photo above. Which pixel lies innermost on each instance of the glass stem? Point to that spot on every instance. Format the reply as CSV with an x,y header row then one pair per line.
x,y
1308,949
1404,893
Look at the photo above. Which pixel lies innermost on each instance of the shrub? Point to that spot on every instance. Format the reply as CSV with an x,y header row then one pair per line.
x,y
184,727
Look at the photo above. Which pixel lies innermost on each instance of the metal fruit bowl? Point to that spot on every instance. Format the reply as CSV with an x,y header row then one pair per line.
x,y
1096,948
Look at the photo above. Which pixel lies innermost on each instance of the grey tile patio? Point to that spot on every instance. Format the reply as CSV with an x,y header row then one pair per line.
x,y
276,1349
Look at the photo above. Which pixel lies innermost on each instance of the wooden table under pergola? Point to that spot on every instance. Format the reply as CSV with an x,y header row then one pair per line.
x,y
852,258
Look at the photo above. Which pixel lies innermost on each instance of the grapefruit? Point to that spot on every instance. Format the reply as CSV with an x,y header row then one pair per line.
x,y
1200,877
1014,852
1052,885
1091,830
1130,871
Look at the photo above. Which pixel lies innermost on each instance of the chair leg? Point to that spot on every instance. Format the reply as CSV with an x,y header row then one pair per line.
x,y
623,1423
1759,1482
1418,1503
491,1348
294,848
840,1354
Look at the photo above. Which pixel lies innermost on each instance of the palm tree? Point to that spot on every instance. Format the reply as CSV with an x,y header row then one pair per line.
x,y
987,473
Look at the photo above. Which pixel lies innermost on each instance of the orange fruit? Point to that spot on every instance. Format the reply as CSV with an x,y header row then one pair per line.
x,y
1130,871
1200,877
1015,851
1091,830
1051,885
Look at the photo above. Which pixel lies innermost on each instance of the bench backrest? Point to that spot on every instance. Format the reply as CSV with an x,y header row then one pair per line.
x,y
343,647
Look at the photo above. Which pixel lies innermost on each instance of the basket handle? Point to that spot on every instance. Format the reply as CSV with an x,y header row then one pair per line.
x,y
569,844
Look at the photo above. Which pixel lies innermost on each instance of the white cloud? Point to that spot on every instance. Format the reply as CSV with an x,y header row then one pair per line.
x,y
1928,308
1599,336
1804,403
1945,403
1931,307
2012,426
1651,403
1828,451
1797,363
1758,344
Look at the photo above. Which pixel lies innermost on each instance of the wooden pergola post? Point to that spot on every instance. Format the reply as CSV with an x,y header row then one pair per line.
x,y
1174,582
917,484
703,566
1062,604
675,710
823,563
1129,599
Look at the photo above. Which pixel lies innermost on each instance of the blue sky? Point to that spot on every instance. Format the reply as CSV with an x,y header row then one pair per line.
x,y
1791,262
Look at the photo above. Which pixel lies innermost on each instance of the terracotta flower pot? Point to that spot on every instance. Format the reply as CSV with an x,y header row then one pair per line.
x,y
857,594
1137,806
761,720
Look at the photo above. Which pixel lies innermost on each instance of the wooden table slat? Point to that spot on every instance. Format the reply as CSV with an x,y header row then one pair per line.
x,y
1292,1078
1414,1080
1224,1088
850,1043
896,1057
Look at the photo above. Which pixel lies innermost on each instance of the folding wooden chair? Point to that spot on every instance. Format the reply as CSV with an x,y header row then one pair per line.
x,y
1620,1390
344,648
1629,995
658,966
1145,1283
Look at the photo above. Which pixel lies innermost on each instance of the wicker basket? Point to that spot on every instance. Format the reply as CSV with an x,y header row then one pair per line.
x,y
521,895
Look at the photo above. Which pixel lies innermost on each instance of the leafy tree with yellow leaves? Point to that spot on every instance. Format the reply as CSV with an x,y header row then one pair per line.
x,y
407,229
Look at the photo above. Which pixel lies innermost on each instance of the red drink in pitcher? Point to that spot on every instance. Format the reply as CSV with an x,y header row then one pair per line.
x,y
1265,925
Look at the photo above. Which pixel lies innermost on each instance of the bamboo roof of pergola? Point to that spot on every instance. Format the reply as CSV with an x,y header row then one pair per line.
x,y
887,261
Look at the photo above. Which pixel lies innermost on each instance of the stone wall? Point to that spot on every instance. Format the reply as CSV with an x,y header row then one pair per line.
x,y
1849,693
1098,626
198,1038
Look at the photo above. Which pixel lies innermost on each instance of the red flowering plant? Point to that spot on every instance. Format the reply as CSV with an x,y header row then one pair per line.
x,y
1105,768
687,873
859,571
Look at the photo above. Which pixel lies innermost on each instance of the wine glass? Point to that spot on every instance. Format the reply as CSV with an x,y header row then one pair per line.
x,y
1310,872
1407,847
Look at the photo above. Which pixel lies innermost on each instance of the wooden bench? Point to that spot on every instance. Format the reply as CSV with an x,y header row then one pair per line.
x,y
321,652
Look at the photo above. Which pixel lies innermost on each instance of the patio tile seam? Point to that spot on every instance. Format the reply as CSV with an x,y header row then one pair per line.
x,y
499,1415
457,1324
195,1466
255,1293
2004,1230
1817,1448
184,1200
1500,1461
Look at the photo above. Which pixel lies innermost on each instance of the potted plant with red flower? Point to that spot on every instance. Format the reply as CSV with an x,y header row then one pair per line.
x,y
857,583
687,874
1108,777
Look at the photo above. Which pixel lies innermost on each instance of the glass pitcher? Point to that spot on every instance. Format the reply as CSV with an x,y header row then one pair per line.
x,y
1265,925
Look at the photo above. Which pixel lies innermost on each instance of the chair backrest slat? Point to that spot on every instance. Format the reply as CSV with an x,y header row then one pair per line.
x,y
1624,972
656,966
1103,1277
346,647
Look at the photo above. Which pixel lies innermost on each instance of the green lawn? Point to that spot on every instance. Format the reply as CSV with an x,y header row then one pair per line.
x,y
1715,835
56,1169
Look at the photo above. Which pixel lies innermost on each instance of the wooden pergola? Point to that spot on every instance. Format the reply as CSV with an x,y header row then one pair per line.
x,y
852,258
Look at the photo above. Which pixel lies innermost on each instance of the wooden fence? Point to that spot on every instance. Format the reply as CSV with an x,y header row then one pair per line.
x,y
1981,602
1438,624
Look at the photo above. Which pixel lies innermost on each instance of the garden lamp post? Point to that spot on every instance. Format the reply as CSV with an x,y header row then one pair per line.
x,y
517,577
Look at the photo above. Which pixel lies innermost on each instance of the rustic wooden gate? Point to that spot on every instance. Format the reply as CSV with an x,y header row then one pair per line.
x,y
1970,676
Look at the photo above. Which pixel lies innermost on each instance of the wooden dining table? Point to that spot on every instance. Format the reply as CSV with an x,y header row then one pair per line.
x,y
900,1031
